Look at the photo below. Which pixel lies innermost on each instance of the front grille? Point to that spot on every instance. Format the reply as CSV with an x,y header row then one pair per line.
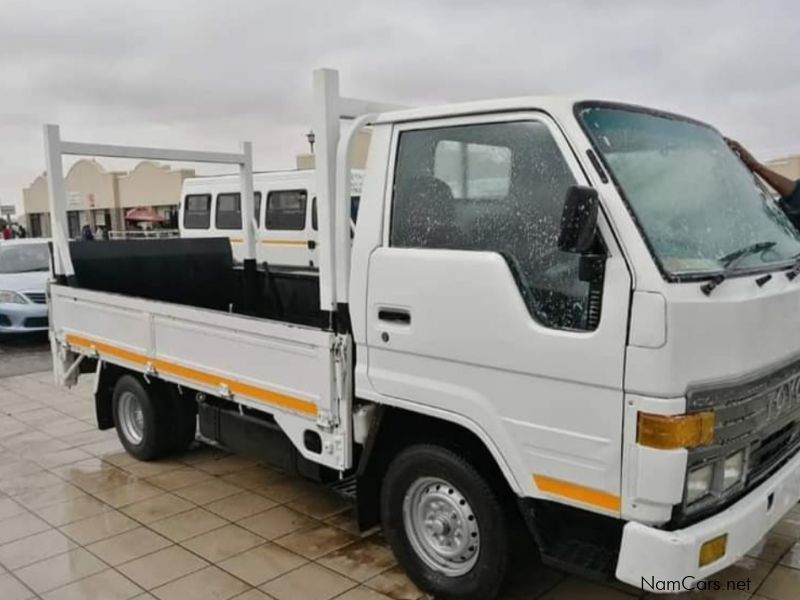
x,y
32,322
36,297
762,415
769,453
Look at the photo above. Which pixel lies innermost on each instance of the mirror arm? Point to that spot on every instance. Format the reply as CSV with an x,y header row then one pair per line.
x,y
591,266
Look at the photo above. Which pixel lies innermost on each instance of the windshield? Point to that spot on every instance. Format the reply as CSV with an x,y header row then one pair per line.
x,y
696,203
24,258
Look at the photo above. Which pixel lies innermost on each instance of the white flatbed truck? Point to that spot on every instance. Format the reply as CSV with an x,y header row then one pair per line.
x,y
578,315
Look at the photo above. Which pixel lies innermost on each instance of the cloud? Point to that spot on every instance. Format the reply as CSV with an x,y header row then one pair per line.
x,y
206,74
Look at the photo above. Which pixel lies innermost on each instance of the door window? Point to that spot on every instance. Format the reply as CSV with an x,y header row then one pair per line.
x,y
493,187
74,223
286,210
36,225
197,211
355,202
229,211
256,205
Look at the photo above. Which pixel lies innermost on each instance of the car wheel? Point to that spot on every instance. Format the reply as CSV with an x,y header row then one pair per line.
x,y
141,419
445,523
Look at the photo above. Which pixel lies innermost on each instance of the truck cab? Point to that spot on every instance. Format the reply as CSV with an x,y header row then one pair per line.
x,y
574,315
582,368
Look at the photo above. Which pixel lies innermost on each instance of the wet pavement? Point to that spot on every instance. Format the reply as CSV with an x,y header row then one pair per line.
x,y
24,353
80,519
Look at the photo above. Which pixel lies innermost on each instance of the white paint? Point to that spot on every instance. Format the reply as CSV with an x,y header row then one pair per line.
x,y
563,404
672,555
270,244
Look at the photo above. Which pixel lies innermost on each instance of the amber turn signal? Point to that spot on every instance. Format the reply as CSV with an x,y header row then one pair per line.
x,y
713,550
666,432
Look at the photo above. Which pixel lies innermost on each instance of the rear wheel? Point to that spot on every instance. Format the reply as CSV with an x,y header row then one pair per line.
x,y
445,524
141,419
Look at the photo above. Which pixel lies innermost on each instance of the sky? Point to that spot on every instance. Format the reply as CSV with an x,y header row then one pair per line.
x,y
206,74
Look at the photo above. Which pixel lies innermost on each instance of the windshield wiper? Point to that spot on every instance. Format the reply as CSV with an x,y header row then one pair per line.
x,y
730,260
795,270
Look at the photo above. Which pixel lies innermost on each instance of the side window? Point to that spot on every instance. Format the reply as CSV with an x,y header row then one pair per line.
x,y
197,211
473,171
229,211
355,202
36,224
314,218
286,210
494,187
256,205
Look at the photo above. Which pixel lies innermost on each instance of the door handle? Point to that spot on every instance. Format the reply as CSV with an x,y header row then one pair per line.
x,y
394,315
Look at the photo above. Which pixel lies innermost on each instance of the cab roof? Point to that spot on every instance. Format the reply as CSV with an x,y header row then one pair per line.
x,y
556,106
549,104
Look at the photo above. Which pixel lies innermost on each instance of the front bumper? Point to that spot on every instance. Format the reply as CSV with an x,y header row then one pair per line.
x,y
648,554
23,318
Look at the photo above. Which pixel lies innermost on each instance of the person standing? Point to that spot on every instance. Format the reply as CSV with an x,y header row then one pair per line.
x,y
788,189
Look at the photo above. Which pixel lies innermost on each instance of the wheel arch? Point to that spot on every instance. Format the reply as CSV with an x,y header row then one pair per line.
x,y
396,428
107,375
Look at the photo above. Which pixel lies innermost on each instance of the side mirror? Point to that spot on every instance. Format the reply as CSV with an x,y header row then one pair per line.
x,y
578,220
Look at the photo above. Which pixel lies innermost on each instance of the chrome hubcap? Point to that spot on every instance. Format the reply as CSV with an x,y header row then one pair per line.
x,y
441,526
131,417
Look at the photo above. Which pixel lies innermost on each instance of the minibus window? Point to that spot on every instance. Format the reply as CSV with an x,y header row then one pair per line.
x,y
314,221
256,205
229,211
286,210
355,201
197,211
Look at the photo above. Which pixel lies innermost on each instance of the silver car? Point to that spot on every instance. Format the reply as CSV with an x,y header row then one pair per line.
x,y
24,270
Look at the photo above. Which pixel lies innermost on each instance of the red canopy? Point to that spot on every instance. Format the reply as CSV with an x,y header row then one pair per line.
x,y
143,213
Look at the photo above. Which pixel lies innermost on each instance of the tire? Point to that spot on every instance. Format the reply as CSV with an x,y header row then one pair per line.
x,y
142,420
432,496
183,417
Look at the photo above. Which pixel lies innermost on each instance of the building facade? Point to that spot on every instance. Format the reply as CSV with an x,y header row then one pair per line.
x,y
100,198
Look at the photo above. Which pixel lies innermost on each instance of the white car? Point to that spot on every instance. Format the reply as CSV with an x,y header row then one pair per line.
x,y
24,271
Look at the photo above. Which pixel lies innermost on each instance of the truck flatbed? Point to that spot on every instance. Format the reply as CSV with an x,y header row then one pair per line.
x,y
283,369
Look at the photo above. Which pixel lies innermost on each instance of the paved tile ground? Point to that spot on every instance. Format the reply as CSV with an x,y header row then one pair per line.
x,y
79,519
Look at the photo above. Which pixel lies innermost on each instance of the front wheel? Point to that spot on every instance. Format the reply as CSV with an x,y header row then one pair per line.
x,y
445,524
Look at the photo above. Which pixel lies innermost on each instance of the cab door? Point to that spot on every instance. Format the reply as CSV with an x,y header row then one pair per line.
x,y
475,315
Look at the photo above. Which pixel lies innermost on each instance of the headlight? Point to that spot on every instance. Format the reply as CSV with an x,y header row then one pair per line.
x,y
733,469
698,482
7,297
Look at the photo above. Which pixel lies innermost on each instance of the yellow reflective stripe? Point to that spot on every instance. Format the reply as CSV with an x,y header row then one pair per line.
x,y
579,493
286,242
236,387
275,242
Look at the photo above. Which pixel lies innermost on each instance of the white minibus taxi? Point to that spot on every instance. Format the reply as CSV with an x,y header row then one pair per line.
x,y
286,232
